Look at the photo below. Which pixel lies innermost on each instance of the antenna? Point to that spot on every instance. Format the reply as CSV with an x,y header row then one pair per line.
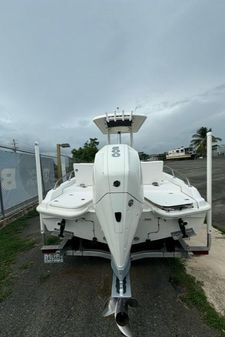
x,y
14,145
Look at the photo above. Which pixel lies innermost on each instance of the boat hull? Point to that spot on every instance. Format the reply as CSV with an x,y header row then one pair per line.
x,y
150,226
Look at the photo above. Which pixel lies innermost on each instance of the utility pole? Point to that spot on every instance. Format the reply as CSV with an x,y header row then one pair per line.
x,y
59,163
58,156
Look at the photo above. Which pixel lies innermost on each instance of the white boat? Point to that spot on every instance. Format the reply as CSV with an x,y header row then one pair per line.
x,y
122,209
181,153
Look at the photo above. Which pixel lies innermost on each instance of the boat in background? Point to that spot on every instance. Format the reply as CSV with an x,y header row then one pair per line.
x,y
122,209
181,153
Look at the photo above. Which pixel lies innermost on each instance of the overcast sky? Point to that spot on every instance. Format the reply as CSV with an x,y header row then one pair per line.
x,y
62,62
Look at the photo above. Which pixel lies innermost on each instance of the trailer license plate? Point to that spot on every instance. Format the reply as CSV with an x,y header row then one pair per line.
x,y
53,257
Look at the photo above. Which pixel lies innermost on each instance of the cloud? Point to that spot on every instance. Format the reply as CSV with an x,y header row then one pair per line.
x,y
173,123
61,64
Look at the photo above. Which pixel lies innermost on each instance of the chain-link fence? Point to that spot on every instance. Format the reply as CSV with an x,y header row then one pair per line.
x,y
18,181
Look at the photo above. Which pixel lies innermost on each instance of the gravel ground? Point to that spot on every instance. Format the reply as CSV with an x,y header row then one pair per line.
x,y
210,269
67,299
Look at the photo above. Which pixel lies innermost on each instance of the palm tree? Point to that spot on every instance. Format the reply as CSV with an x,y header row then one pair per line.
x,y
199,140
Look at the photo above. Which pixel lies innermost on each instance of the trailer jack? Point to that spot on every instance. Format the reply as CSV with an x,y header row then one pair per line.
x,y
182,225
62,225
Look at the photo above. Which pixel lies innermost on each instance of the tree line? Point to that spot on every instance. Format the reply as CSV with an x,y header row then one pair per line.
x,y
86,153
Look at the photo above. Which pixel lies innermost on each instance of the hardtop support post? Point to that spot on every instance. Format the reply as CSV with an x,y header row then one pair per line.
x,y
131,138
109,137
119,136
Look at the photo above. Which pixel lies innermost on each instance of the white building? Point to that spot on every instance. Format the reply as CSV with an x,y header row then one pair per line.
x,y
218,150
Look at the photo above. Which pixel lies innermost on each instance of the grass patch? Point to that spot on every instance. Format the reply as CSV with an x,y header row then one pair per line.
x,y
52,240
191,292
11,243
